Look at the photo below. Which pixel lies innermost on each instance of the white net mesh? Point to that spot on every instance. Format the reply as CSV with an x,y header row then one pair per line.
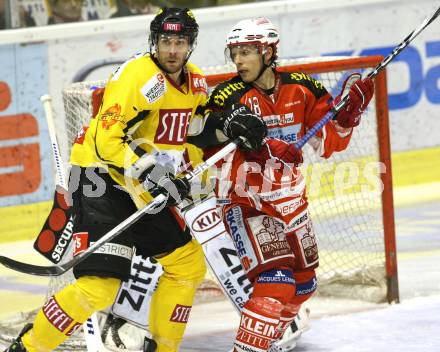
x,y
77,100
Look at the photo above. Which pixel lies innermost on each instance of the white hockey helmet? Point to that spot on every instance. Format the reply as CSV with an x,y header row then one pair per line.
x,y
259,31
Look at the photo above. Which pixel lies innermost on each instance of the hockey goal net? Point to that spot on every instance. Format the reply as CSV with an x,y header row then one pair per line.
x,y
350,194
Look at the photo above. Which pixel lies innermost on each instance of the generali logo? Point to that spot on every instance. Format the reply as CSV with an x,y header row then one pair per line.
x,y
206,221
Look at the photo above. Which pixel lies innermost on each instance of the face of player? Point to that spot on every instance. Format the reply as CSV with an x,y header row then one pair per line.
x,y
248,61
172,51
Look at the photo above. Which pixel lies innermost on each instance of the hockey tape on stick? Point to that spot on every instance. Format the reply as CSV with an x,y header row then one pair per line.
x,y
56,270
47,104
327,117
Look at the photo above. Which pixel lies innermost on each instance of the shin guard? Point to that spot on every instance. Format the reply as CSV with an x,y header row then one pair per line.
x,y
258,325
184,270
67,310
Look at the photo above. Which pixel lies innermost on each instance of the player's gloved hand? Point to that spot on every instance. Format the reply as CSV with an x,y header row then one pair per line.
x,y
360,92
240,121
291,155
277,149
159,179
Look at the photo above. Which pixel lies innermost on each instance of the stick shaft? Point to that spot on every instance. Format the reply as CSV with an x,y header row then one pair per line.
x,y
56,270
327,117
59,166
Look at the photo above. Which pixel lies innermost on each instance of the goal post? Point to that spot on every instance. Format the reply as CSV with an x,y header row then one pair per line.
x,y
387,180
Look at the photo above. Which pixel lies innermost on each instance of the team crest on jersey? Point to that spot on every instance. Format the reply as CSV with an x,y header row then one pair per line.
x,y
111,116
154,88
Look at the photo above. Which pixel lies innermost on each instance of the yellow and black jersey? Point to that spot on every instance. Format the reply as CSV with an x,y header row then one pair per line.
x,y
144,116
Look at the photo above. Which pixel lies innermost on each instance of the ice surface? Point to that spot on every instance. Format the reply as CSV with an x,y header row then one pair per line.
x,y
337,325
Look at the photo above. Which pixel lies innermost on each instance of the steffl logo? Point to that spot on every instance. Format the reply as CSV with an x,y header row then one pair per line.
x,y
180,314
173,126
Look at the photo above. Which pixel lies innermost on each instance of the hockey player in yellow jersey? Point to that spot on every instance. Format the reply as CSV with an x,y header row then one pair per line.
x,y
136,147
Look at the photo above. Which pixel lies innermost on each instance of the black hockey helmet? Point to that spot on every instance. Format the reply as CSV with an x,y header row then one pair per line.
x,y
174,21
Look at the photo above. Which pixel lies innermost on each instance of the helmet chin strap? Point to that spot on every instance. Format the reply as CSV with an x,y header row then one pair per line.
x,y
264,67
262,70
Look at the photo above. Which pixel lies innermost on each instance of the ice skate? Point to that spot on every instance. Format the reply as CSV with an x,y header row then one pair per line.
x,y
17,345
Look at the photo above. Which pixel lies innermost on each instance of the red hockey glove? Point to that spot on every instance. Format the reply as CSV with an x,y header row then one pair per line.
x,y
360,93
275,148
291,155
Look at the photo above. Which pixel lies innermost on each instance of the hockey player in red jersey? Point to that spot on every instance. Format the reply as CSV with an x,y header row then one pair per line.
x,y
265,208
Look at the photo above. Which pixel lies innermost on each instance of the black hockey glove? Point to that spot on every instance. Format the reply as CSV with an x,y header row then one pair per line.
x,y
158,179
240,121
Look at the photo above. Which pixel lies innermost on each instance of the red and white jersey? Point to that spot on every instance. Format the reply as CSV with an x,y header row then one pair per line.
x,y
296,104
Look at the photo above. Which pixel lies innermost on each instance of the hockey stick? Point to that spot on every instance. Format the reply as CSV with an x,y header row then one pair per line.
x,y
59,166
327,117
91,328
57,238
56,270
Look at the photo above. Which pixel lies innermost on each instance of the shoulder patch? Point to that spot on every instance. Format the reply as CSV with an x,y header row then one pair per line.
x,y
229,92
154,88
316,87
198,84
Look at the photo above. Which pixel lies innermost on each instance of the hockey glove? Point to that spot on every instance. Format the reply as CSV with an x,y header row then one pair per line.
x,y
240,121
360,93
291,155
159,179
275,148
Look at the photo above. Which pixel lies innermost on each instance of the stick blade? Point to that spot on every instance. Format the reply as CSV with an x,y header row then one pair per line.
x,y
32,269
